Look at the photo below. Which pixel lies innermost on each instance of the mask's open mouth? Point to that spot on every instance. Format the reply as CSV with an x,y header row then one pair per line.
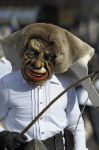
x,y
36,74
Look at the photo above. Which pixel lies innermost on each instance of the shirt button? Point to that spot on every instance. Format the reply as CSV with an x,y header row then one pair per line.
x,y
42,132
40,102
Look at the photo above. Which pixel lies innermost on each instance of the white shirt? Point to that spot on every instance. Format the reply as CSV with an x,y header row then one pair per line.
x,y
5,66
20,103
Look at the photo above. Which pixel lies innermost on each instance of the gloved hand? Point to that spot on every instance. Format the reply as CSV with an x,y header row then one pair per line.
x,y
8,140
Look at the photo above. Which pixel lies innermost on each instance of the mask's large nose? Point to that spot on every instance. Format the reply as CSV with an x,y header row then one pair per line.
x,y
39,61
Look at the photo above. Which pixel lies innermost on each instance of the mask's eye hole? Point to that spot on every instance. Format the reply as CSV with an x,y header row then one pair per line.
x,y
49,56
52,43
31,53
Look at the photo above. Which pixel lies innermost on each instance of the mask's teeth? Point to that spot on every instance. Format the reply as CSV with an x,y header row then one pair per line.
x,y
38,71
43,69
37,75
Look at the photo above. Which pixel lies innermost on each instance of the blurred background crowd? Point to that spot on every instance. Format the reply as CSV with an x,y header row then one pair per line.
x,y
79,17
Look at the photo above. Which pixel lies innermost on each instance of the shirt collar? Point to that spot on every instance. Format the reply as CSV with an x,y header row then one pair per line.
x,y
54,80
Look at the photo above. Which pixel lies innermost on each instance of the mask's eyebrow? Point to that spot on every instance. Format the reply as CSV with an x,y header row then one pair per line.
x,y
35,45
48,50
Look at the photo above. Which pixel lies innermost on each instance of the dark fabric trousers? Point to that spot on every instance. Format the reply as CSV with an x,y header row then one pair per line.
x,y
55,142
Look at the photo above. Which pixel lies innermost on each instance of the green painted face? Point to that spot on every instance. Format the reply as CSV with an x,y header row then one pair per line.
x,y
37,62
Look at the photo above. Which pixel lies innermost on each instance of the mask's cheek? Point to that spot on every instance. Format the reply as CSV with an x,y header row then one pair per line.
x,y
50,68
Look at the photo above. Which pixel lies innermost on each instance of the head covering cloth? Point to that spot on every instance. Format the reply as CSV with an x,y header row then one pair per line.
x,y
72,54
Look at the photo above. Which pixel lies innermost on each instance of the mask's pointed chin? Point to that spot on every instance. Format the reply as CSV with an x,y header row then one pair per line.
x,y
80,70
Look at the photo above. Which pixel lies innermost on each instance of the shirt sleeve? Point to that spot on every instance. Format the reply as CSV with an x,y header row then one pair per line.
x,y
82,96
5,67
3,102
75,124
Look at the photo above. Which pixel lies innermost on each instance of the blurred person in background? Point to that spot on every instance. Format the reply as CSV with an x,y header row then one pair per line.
x,y
5,65
94,66
90,111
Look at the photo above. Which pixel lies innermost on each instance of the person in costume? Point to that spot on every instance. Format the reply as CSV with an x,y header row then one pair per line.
x,y
41,55
5,65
